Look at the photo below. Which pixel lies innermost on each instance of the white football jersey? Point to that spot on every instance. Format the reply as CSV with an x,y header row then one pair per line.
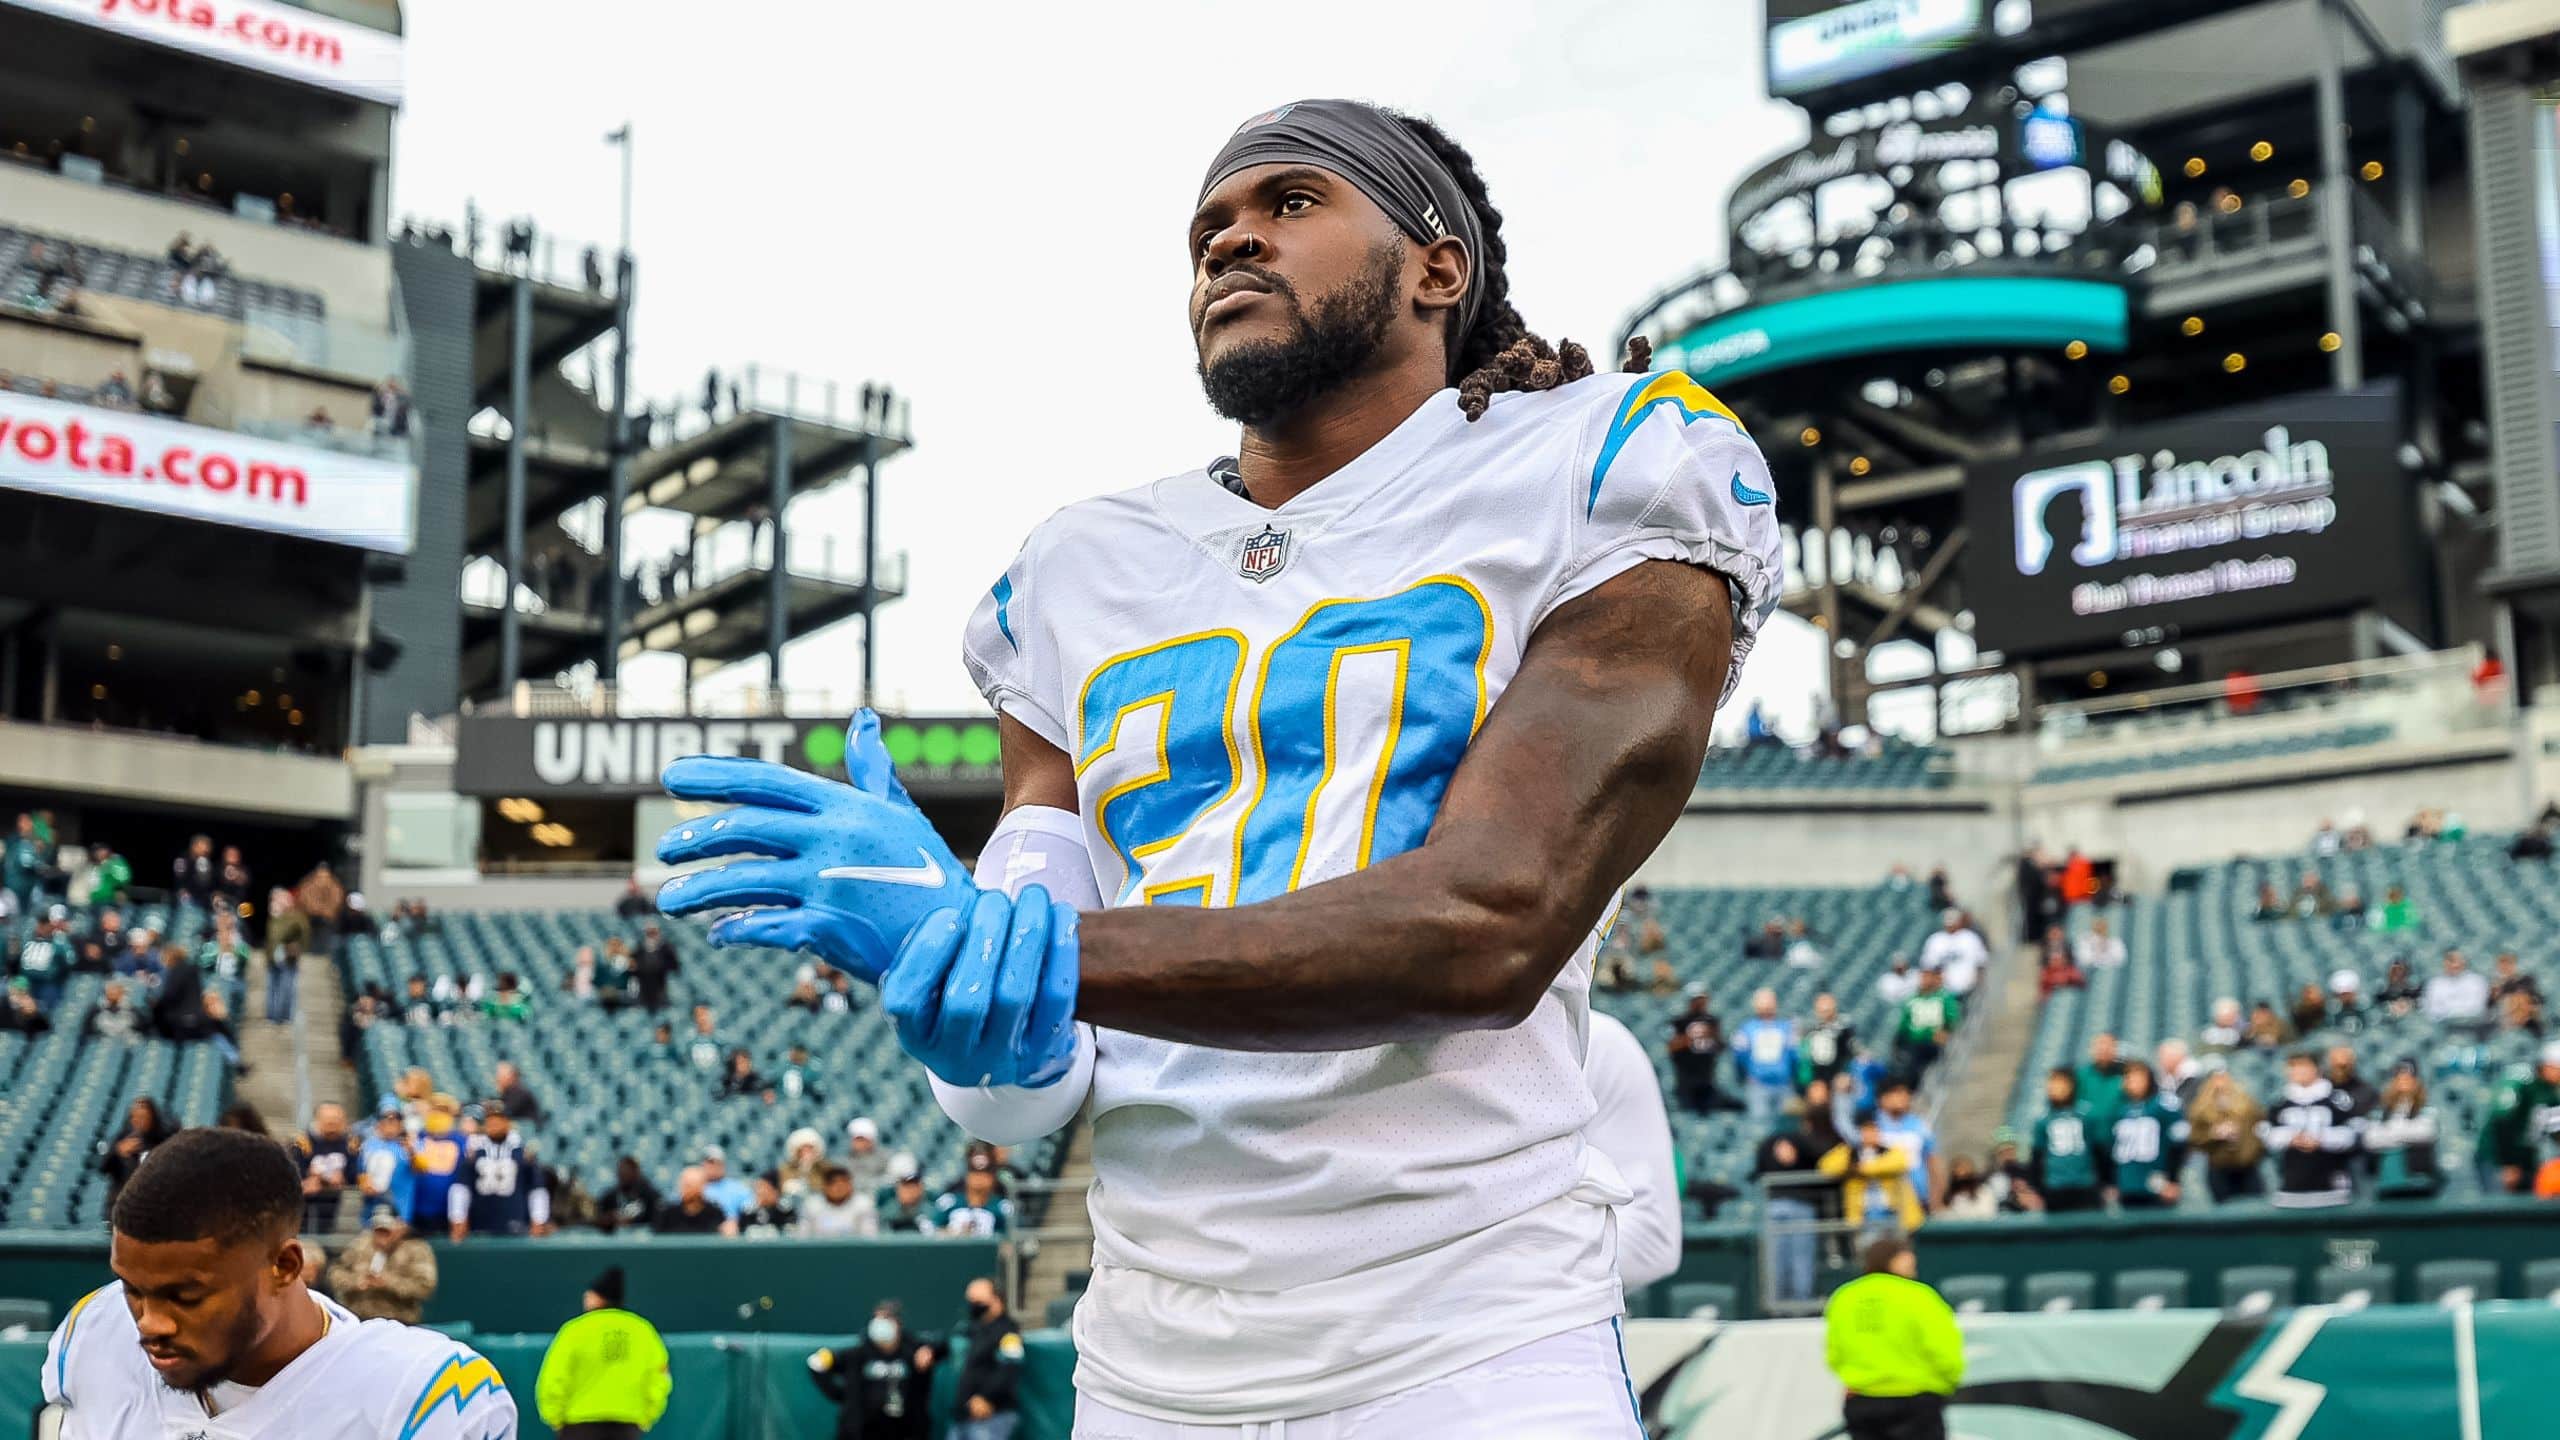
x,y
1260,699
363,1380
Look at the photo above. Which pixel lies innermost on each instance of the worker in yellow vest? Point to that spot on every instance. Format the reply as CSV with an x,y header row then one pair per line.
x,y
1893,1342
605,1376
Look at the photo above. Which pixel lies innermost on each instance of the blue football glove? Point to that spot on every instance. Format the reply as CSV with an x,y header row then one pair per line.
x,y
989,999
854,868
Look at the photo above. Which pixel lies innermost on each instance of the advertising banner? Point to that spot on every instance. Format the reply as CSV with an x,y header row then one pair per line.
x,y
574,755
1868,37
143,462
295,43
2285,509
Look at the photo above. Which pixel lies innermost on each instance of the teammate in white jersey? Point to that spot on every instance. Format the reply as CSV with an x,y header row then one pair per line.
x,y
210,1330
1323,766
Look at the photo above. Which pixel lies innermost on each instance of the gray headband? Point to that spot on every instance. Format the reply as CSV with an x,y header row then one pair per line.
x,y
1370,148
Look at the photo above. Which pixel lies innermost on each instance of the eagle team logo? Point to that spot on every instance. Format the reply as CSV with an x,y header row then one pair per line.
x,y
1264,555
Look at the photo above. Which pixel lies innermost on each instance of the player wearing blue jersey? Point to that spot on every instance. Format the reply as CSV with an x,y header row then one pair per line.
x,y
210,1328
1324,766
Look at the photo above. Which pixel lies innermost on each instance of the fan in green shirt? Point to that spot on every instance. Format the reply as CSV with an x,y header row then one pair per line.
x,y
2522,1110
2101,1081
2064,1164
109,875
2148,1142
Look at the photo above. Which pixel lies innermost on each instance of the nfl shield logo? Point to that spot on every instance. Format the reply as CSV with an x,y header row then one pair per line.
x,y
1264,556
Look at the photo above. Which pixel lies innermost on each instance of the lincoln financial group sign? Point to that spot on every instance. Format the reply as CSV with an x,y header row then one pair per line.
x,y
571,755
2287,509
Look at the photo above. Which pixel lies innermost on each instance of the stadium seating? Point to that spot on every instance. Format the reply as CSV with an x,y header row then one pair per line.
x,y
2354,1289
1858,931
149,277
2151,1289
1902,766
2198,942
63,1097
605,1089
2342,737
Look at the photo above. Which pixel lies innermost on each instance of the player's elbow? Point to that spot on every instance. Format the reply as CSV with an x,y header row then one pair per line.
x,y
1516,934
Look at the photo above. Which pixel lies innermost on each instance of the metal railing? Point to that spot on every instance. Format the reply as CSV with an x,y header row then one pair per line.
x,y
2434,694
607,702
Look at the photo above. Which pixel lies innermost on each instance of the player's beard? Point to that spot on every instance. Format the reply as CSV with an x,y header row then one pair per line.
x,y
207,1373
1267,380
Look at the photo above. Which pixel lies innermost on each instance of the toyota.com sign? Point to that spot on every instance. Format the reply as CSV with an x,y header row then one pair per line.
x,y
141,462
279,39
2293,508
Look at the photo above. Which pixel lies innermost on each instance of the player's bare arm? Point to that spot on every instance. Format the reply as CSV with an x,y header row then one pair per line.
x,y
1578,773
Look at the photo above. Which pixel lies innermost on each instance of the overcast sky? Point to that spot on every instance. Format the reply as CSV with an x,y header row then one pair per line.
x,y
984,205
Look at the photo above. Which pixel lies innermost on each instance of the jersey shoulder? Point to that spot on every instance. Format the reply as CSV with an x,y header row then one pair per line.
x,y
96,1344
428,1386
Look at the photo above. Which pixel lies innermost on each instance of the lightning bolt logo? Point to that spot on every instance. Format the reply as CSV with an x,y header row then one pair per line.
x,y
1672,388
461,1379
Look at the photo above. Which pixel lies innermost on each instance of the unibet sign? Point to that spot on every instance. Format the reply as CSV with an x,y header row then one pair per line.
x,y
514,755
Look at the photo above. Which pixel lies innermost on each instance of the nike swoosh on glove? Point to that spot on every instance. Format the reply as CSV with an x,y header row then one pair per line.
x,y
850,870
989,999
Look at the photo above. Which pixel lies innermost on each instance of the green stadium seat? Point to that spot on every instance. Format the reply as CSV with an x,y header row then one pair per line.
x,y
1703,1300
2258,1289
1063,1309
33,1316
2456,1282
2542,1280
1976,1294
2060,1290
1078,1281
2151,1289
2356,1287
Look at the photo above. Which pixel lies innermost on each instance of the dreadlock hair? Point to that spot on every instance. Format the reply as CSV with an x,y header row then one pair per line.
x,y
1499,352
224,1185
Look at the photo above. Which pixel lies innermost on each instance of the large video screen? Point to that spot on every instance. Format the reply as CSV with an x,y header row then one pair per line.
x,y
2290,508
1817,44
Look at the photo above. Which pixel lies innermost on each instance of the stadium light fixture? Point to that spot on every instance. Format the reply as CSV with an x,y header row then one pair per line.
x,y
2372,170
2097,679
2329,343
2119,384
255,698
1860,465
2195,167
2230,202
1811,436
98,692
2262,152
115,652
2234,363
2076,350
2299,188
284,702
2192,326
293,717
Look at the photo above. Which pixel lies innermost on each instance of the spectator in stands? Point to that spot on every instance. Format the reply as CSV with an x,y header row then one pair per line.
x,y
804,1154
2310,1009
284,981
2401,1136
1941,896
115,1018
1784,1165
881,1387
769,1217
1956,951
508,1001
2347,1011
865,1159
804,995
1802,953
390,409
2520,1114
1923,1026
2348,915
357,918
388,1274
110,875
2534,843
719,1186
634,905
973,1208
2079,883
1756,729
2397,916
420,1007
2522,1012
1829,1042
664,1046
2067,1161
904,1210
2058,971
2310,897
321,897
2511,979
231,883
327,1155
2271,904
513,1095
20,1012
1664,981
839,997
1697,1061
2146,1143
2175,1067
1769,944
93,959
286,924
1969,1193
991,1374
2266,1029
692,1211
2343,1076
2007,1177
1897,983
2326,840
702,1047
2101,1080
1903,1127
1766,1054
1877,1193
194,875
45,958
581,983
2100,948
741,1082
2457,997
23,865
653,965
145,1129
2315,1134
385,1163
2400,995
437,1161
798,1079
226,954
138,961
630,1202
177,1007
